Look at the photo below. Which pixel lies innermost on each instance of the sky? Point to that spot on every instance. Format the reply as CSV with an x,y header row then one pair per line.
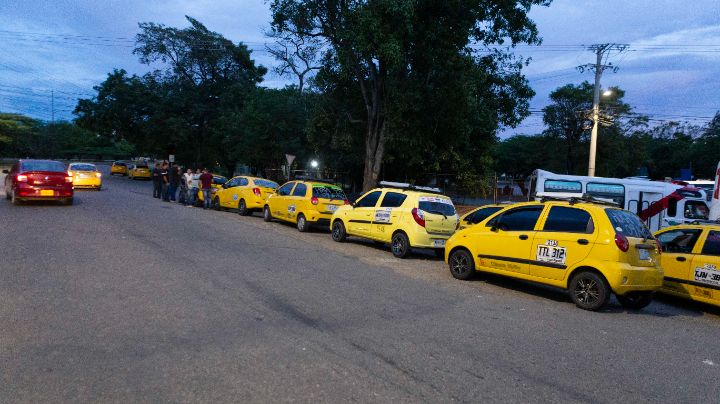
x,y
54,51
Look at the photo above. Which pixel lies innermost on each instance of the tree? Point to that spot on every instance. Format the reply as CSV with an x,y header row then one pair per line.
x,y
389,46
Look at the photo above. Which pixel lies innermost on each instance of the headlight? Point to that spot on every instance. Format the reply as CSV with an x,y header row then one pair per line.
x,y
98,175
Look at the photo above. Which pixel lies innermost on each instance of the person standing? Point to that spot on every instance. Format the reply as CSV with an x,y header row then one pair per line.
x,y
165,176
183,194
157,180
194,186
174,176
206,185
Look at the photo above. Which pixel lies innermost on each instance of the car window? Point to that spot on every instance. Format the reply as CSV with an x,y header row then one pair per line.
x,y
518,219
481,214
328,192
218,180
300,190
679,241
82,167
570,220
563,186
285,189
436,205
242,181
712,244
369,200
42,166
265,183
696,210
628,223
232,183
392,200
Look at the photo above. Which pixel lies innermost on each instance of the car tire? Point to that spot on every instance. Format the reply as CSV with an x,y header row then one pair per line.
x,y
267,216
400,245
461,264
338,231
302,223
14,200
215,204
7,195
439,252
67,201
242,208
589,291
636,300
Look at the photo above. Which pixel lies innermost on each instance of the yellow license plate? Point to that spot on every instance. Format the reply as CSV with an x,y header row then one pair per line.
x,y
47,192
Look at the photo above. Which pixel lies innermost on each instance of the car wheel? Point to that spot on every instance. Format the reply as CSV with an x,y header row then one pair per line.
x,y
67,201
338,231
242,208
302,224
589,291
15,201
215,204
439,252
7,195
635,300
267,216
461,264
400,245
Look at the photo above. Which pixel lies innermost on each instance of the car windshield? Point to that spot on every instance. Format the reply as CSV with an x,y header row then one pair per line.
x,y
628,223
265,184
438,206
219,180
43,166
117,163
328,192
83,167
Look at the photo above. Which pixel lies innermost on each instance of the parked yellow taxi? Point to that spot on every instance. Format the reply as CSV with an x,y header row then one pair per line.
x,y
305,203
118,167
478,214
85,175
691,261
217,183
139,171
246,194
587,247
405,216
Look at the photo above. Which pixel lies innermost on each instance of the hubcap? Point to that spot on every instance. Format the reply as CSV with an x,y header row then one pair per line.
x,y
459,263
587,291
336,231
301,222
398,245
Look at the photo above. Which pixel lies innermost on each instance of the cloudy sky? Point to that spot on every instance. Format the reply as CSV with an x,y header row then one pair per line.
x,y
670,71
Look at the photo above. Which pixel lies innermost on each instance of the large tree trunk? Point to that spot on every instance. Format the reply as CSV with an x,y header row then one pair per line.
x,y
374,153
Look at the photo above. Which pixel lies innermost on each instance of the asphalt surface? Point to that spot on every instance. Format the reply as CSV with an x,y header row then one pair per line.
x,y
124,298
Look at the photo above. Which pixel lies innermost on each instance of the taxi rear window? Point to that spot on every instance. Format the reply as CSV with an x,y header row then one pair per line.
x,y
628,223
327,192
83,167
435,205
266,184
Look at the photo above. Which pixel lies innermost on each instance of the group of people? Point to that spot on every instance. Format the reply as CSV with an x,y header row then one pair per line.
x,y
170,185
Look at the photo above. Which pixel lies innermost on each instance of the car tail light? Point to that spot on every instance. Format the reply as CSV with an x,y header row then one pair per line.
x,y
21,178
256,191
419,216
69,178
622,242
314,200
347,202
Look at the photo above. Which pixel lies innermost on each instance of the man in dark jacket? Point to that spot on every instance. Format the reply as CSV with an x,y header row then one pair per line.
x,y
165,178
157,180
174,181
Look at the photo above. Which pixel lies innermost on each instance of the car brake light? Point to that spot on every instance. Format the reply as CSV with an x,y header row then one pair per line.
x,y
314,200
622,242
256,191
21,178
347,202
419,216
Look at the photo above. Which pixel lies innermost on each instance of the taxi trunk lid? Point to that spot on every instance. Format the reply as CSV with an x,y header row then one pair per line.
x,y
438,213
633,238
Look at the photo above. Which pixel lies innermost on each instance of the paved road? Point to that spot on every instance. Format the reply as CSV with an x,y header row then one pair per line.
x,y
123,298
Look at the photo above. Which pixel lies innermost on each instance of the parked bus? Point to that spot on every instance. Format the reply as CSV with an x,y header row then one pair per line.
x,y
659,204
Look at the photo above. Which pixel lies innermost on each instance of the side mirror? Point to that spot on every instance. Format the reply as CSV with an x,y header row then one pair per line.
x,y
6,172
494,229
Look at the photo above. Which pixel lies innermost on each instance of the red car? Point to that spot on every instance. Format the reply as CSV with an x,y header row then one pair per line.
x,y
38,180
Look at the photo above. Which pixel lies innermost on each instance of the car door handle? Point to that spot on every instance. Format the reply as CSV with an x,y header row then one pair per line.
x,y
681,259
523,237
583,241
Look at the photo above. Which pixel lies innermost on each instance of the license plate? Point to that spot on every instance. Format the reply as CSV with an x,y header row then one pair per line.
x,y
332,208
83,176
47,192
644,254
438,243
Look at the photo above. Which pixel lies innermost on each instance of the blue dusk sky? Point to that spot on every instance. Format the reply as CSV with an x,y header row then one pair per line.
x,y
670,71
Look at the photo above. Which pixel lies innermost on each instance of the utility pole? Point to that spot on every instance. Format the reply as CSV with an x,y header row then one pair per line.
x,y
52,105
598,67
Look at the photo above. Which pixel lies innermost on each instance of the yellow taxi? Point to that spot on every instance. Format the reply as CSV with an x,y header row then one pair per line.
x,y
589,248
85,175
305,203
691,261
139,171
246,194
119,167
478,214
405,216
217,183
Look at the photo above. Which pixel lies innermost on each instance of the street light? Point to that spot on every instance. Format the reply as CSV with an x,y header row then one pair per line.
x,y
607,93
314,164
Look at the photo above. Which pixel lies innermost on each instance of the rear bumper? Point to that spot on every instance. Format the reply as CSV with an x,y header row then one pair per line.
x,y
27,193
422,239
625,278
87,183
